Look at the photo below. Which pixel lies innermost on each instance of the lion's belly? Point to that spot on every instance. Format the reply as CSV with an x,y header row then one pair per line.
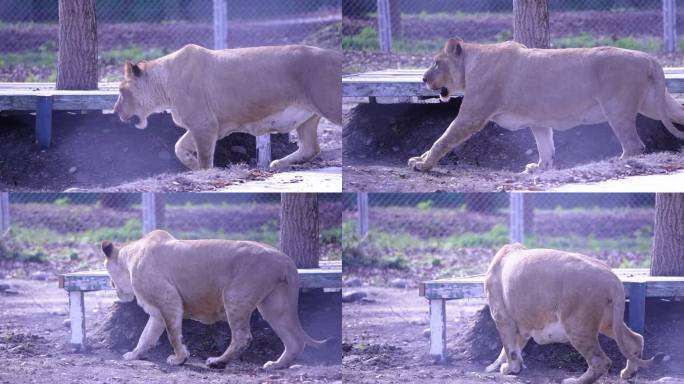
x,y
516,121
551,333
282,121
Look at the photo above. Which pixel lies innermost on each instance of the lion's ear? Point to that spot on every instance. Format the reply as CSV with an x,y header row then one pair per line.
x,y
138,69
107,248
453,47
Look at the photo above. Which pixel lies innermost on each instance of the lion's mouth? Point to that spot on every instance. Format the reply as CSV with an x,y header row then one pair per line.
x,y
444,92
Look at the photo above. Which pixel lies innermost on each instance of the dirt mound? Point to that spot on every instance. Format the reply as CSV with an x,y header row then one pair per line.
x,y
24,344
98,151
320,315
479,341
372,355
400,131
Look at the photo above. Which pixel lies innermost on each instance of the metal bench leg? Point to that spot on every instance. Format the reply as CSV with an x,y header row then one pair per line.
x,y
44,120
637,307
263,144
77,316
438,330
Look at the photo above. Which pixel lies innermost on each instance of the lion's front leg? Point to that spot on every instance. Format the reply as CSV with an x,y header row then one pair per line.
x,y
149,337
307,145
186,151
544,138
459,130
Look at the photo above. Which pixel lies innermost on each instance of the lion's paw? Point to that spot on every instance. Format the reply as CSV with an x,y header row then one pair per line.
x,y
271,365
178,359
132,355
276,165
493,367
214,362
531,168
418,164
570,380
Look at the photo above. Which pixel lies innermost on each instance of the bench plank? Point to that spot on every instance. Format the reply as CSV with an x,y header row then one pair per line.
x,y
408,83
473,286
99,280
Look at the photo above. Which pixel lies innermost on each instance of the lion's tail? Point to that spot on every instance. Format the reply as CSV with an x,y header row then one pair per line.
x,y
619,329
670,110
292,279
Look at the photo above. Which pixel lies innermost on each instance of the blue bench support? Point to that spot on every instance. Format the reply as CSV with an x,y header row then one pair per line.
x,y
44,120
637,307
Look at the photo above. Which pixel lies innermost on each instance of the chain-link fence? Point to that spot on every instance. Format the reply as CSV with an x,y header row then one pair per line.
x,y
65,230
422,26
143,29
457,234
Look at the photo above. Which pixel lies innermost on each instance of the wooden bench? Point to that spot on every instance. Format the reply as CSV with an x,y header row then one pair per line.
x,y
43,98
406,85
78,283
638,286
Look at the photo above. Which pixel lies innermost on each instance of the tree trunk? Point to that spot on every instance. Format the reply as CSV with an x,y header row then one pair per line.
x,y
77,66
668,240
531,23
299,228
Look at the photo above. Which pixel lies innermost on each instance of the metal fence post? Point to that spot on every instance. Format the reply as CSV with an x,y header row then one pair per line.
x,y
220,15
149,216
4,211
384,26
517,217
670,26
362,207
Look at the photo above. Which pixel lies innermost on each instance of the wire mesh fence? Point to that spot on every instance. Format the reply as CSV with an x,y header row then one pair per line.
x,y
144,29
422,26
448,234
64,230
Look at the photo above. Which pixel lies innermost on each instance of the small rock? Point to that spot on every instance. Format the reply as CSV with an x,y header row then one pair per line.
x,y
238,149
164,155
398,283
395,148
67,323
349,297
353,282
11,292
124,149
529,152
39,275
72,169
426,333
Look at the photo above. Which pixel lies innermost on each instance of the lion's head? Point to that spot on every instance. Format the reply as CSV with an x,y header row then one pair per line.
x,y
136,95
447,73
121,278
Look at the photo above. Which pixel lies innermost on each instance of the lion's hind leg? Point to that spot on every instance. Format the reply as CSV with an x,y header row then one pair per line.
x,y
239,307
282,315
307,144
584,338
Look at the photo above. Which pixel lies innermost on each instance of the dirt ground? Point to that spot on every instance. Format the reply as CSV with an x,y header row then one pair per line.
x,y
378,140
383,342
34,345
97,152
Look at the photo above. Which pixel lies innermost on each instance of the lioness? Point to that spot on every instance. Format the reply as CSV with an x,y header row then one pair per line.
x,y
258,91
558,297
517,87
208,281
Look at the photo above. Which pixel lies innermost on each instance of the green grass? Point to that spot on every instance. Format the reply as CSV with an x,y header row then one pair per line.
x,y
132,53
585,40
366,40
381,247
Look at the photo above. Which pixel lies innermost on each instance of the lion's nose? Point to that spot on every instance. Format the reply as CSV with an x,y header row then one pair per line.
x,y
424,79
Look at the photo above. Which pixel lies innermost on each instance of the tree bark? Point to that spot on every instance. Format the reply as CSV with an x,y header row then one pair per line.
x,y
531,23
77,65
668,240
299,228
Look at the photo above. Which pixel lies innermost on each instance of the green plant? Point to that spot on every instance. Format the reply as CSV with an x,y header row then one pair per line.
x,y
424,205
62,201
366,40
